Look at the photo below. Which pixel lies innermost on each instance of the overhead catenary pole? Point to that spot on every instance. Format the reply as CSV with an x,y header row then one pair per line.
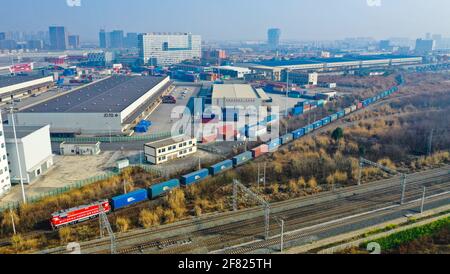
x,y
430,143
257,198
105,225
24,198
423,199
402,198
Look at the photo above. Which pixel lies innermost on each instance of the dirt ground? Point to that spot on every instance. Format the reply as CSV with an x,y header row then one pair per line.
x,y
66,170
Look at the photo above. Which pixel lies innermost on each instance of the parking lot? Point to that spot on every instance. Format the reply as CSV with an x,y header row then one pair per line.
x,y
161,117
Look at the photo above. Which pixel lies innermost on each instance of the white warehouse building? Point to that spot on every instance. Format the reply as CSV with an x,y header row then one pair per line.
x,y
110,106
35,152
5,179
164,49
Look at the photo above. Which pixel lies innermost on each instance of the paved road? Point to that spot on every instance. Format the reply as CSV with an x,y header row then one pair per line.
x,y
219,231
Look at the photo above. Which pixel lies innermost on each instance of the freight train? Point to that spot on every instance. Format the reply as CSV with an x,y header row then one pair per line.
x,y
86,212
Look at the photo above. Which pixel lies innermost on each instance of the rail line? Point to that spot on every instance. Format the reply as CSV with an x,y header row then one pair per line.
x,y
301,212
381,187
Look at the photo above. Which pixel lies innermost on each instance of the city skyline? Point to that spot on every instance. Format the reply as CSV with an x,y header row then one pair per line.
x,y
249,21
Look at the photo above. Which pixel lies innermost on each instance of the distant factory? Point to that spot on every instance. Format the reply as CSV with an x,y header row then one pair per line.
x,y
273,67
110,106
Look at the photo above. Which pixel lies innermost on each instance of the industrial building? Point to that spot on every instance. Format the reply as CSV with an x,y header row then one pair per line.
x,y
12,87
169,149
110,106
230,95
5,179
343,63
35,152
301,78
232,72
69,149
165,49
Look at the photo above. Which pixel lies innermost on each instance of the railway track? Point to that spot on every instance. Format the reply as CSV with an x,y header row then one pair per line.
x,y
324,212
295,219
135,242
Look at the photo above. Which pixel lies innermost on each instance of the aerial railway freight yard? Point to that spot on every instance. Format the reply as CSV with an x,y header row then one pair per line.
x,y
248,236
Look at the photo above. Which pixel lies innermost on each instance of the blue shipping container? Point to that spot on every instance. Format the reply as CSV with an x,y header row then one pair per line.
x,y
298,133
162,188
220,167
334,117
326,120
340,114
194,177
317,124
308,128
274,144
141,129
297,111
129,199
242,158
287,138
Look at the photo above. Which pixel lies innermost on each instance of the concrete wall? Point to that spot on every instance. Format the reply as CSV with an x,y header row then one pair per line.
x,y
34,150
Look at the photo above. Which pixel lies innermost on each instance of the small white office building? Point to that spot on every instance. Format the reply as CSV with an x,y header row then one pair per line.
x,y
35,152
70,149
170,149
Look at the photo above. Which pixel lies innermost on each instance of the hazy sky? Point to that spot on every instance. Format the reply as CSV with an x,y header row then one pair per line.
x,y
234,19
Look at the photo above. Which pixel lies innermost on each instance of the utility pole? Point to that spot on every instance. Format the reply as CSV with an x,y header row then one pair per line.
x,y
430,143
24,198
423,199
359,172
264,179
124,186
287,93
259,179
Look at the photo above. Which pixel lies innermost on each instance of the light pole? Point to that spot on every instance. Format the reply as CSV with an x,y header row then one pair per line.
x,y
287,93
24,198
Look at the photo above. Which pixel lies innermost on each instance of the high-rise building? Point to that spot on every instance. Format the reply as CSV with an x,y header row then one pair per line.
x,y
165,49
273,38
104,38
117,38
131,41
5,178
35,44
385,45
424,46
2,36
74,41
58,38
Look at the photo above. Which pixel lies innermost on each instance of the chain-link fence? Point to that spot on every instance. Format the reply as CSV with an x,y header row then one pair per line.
x,y
113,139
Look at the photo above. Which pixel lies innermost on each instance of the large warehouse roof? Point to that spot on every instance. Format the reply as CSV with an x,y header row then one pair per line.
x,y
111,95
6,81
232,91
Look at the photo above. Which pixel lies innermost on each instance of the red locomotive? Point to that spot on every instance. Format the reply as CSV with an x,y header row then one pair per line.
x,y
78,214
